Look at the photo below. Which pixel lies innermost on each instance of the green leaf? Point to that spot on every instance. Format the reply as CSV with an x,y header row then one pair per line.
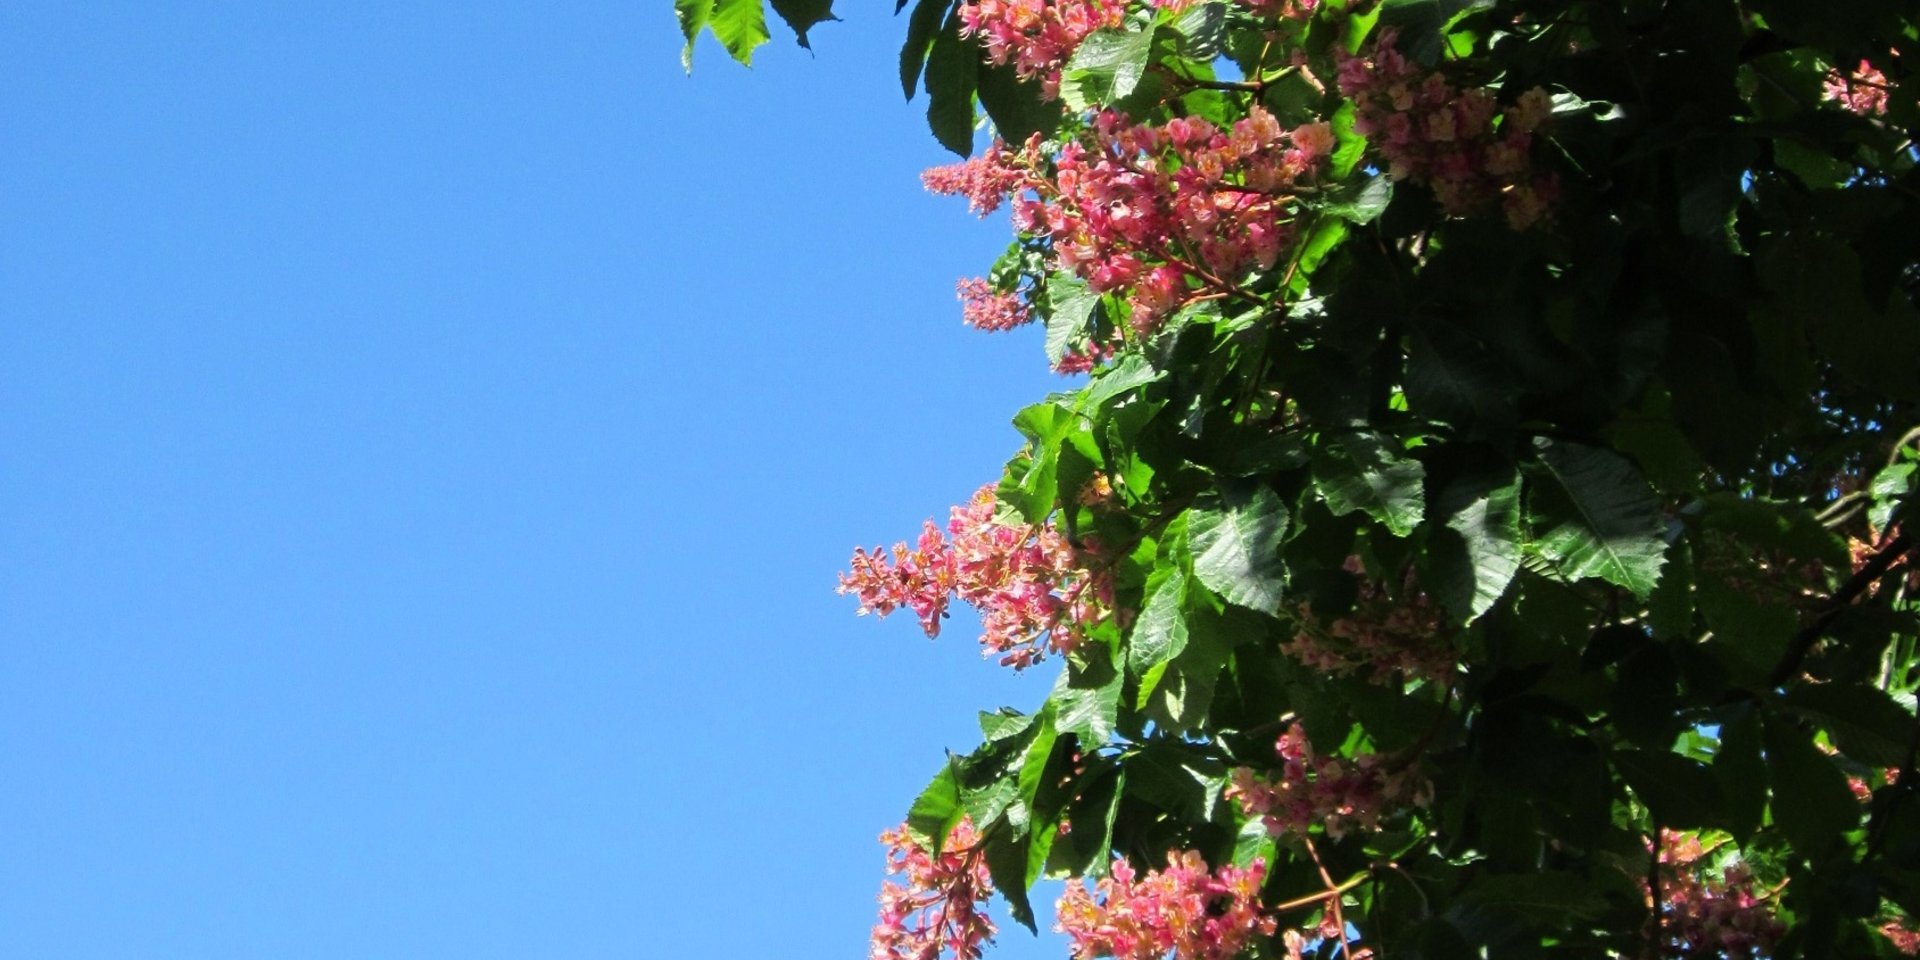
x,y
1236,540
1169,775
1680,791
1811,800
1034,762
1203,31
1086,849
936,810
1007,856
1549,897
952,68
1086,698
1359,202
1106,67
1475,553
739,25
802,15
921,25
1130,373
1015,106
1349,145
1366,472
1070,302
1612,528
1740,772
692,15
1160,633
1863,721
1004,724
1889,488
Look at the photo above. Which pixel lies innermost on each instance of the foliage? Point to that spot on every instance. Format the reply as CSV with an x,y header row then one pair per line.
x,y
1480,533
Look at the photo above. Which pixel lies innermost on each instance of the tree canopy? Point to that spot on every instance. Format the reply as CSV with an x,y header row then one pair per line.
x,y
1482,527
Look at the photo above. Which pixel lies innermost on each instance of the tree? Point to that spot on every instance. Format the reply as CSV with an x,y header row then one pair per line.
x,y
1482,529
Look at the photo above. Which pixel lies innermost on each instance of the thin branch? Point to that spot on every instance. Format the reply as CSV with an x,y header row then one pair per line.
x,y
1856,585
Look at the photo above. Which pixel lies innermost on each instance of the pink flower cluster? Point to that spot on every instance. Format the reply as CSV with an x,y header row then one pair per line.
x,y
1388,635
1712,916
1152,210
938,908
1901,933
1328,792
1863,91
1184,910
984,180
1033,594
984,308
1456,141
1037,36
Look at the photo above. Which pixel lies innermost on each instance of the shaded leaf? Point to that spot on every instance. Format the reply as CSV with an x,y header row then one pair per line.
x,y
1612,529
1366,472
1236,540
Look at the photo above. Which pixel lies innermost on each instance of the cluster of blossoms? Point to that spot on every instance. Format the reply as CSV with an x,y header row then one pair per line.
x,y
1712,916
1152,212
938,908
1456,141
1184,910
1389,635
1311,790
1028,583
1037,36
1900,931
1862,91
984,308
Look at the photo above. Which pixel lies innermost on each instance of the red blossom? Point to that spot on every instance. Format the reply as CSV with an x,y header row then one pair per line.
x,y
1310,790
1184,910
936,911
1033,593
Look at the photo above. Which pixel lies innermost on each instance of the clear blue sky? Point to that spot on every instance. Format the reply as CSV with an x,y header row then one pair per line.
x,y
429,434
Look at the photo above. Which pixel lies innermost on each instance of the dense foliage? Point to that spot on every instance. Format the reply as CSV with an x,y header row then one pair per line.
x,y
1480,532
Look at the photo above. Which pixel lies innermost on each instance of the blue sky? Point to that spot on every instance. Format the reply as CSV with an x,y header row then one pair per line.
x,y
429,434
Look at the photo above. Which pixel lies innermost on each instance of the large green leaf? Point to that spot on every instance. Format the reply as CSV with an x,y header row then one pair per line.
x,y
1069,303
1086,698
1863,721
936,810
921,26
739,25
1608,524
692,15
1740,772
1365,471
1548,897
1679,790
1236,540
1811,800
952,70
1160,632
1106,67
1475,553
802,15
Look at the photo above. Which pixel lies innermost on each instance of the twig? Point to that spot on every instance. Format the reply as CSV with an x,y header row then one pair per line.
x,y
1809,635
1333,902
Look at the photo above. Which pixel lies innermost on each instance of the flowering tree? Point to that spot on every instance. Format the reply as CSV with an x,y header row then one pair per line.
x,y
1480,530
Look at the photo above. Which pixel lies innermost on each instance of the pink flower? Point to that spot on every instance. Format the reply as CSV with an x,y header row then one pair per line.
x,y
937,910
985,308
1327,792
1184,910
1864,91
1033,593
984,180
